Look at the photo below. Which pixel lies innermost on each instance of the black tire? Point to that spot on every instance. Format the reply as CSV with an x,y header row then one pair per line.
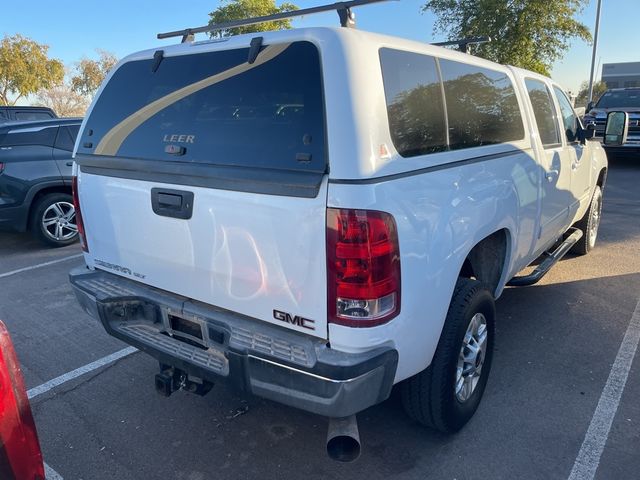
x,y
589,224
43,211
430,397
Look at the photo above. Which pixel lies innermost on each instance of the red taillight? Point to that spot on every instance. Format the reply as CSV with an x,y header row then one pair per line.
x,y
79,222
1,167
363,267
18,437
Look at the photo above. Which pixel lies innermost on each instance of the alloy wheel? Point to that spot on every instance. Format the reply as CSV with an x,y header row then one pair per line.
x,y
59,221
471,357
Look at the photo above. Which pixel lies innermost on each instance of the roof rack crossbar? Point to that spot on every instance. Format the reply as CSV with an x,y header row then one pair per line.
x,y
464,43
343,9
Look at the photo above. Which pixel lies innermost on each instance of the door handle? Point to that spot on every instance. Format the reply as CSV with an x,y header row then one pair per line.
x,y
69,164
172,203
552,174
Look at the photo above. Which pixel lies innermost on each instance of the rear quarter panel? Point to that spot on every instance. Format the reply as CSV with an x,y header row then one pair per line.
x,y
440,217
443,203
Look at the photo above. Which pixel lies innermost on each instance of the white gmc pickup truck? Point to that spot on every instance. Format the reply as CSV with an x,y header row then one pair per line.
x,y
317,215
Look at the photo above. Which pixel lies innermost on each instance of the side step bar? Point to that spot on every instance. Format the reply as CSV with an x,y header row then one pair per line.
x,y
552,258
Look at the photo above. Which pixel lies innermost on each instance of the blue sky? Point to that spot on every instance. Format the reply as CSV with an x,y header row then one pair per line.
x,y
74,29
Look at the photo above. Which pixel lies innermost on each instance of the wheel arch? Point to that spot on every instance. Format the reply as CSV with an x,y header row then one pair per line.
x,y
602,177
487,260
41,191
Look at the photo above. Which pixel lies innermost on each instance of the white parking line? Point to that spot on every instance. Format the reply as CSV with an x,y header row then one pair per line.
x,y
50,473
45,387
45,264
595,439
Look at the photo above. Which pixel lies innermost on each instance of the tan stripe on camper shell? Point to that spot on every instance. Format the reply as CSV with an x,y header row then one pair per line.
x,y
114,138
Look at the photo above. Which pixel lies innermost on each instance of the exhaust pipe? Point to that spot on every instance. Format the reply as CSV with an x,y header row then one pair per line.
x,y
343,439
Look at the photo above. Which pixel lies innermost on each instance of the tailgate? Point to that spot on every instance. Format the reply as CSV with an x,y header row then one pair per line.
x,y
244,252
204,174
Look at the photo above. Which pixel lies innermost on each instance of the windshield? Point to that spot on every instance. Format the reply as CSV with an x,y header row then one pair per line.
x,y
619,99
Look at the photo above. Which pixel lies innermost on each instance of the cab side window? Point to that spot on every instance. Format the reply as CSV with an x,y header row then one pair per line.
x,y
544,112
569,118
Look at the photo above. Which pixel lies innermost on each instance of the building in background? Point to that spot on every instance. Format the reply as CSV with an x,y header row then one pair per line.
x,y
621,75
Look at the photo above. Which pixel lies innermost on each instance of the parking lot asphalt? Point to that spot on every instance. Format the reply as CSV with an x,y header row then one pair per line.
x,y
556,344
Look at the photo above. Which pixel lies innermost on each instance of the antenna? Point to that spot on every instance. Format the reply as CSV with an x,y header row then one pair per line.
x,y
464,43
347,19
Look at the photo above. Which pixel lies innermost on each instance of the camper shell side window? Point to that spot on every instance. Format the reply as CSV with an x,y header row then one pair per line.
x,y
435,105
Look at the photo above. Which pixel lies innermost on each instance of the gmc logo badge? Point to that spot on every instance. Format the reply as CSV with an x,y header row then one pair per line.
x,y
294,320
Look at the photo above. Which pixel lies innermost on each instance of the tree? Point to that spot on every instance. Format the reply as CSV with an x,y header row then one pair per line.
x,y
63,100
241,9
583,94
90,73
26,68
531,34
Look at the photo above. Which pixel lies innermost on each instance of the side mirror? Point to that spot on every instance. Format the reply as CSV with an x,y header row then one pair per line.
x,y
589,132
589,107
616,129
586,133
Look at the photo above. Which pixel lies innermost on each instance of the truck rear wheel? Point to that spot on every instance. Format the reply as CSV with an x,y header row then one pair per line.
x,y
445,395
589,225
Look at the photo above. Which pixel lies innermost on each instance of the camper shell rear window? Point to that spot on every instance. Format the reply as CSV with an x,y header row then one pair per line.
x,y
215,108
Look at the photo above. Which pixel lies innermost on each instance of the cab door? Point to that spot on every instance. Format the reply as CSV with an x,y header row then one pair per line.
x,y
577,154
555,189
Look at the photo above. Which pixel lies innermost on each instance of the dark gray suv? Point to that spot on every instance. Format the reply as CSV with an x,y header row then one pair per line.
x,y
35,179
